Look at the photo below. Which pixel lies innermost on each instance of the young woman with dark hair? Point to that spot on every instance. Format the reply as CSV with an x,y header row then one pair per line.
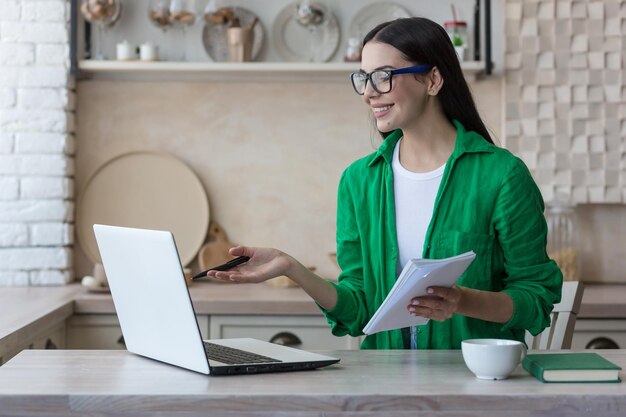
x,y
436,187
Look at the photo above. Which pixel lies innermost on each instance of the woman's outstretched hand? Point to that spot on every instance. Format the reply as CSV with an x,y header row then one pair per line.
x,y
264,263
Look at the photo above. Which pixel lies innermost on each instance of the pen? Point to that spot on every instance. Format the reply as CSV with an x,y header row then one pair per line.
x,y
224,267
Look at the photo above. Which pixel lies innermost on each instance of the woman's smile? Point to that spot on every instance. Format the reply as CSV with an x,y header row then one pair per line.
x,y
381,110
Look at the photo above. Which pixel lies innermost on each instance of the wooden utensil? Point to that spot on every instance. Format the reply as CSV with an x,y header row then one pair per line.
x,y
215,251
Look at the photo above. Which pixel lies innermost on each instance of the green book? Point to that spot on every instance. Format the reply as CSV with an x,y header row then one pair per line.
x,y
571,367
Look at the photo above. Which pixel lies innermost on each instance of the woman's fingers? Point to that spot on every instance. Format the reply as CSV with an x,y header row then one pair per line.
x,y
440,303
241,251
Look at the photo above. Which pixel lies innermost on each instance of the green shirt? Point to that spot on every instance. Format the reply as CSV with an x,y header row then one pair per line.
x,y
487,202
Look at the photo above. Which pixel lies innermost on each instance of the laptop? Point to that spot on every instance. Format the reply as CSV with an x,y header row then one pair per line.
x,y
156,314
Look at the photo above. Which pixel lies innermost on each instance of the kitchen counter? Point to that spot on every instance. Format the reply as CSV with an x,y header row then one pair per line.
x,y
216,298
599,301
28,311
369,383
604,302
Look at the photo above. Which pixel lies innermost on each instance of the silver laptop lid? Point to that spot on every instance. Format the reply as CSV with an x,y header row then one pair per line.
x,y
155,314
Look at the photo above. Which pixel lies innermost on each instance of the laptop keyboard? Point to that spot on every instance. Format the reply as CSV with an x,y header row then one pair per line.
x,y
234,356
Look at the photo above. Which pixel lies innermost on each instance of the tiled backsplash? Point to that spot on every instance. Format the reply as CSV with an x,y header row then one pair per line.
x,y
565,95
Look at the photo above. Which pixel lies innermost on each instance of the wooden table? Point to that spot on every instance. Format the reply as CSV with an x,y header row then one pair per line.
x,y
365,383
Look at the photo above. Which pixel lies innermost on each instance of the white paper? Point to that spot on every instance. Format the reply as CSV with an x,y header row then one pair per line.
x,y
415,278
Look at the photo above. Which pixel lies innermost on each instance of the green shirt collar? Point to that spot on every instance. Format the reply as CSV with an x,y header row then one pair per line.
x,y
466,142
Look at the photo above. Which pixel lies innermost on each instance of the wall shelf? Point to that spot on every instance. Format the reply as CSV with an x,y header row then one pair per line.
x,y
253,71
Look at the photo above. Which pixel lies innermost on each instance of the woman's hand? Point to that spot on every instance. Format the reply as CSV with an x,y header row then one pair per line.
x,y
439,305
264,263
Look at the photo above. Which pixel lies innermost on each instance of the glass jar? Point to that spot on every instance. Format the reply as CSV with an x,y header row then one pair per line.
x,y
562,238
457,30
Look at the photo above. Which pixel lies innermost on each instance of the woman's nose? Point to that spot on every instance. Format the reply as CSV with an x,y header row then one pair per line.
x,y
369,91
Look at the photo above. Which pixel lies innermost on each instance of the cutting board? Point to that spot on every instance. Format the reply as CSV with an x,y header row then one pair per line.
x,y
148,190
215,251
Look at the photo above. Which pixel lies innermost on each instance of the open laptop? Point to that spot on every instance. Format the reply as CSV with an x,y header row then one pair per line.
x,y
157,317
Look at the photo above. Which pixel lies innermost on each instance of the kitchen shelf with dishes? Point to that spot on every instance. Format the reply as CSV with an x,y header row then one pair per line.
x,y
299,40
235,71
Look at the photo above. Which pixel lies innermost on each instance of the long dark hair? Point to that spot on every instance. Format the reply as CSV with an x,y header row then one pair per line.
x,y
423,41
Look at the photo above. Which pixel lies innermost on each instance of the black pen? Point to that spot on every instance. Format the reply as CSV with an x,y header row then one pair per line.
x,y
224,267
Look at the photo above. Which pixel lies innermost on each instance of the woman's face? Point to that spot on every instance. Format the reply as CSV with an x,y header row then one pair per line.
x,y
403,105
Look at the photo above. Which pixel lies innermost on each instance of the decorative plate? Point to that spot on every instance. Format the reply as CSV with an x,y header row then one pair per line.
x,y
297,43
214,36
372,15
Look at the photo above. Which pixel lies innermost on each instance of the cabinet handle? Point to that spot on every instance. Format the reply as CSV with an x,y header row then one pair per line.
x,y
286,339
50,344
121,341
602,343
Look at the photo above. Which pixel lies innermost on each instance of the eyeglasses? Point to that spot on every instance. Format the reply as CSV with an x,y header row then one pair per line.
x,y
381,79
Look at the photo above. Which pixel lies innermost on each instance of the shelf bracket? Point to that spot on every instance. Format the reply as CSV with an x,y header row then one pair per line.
x,y
73,37
488,63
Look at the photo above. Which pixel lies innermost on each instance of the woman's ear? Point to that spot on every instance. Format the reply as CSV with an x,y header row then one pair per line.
x,y
435,81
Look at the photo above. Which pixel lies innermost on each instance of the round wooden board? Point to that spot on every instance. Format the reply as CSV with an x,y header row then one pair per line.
x,y
145,189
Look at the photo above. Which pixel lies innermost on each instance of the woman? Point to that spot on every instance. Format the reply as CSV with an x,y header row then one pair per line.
x,y
436,187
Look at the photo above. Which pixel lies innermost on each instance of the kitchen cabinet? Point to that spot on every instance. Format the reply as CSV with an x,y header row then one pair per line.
x,y
51,338
599,334
304,332
102,331
281,315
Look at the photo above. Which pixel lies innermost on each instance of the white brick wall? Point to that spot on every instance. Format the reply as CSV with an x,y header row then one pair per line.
x,y
36,143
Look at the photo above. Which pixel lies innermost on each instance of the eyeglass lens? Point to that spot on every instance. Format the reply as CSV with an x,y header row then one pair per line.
x,y
381,81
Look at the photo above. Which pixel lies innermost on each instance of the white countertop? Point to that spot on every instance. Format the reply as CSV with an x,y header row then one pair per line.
x,y
368,383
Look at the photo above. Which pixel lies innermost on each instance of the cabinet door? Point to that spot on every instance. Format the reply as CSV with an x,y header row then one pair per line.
x,y
304,332
102,331
599,334
53,339
94,331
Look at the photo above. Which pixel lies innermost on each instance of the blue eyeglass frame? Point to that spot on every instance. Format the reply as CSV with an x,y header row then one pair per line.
x,y
416,69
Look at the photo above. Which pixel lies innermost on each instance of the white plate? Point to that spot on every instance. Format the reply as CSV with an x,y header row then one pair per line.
x,y
372,15
150,190
214,36
297,43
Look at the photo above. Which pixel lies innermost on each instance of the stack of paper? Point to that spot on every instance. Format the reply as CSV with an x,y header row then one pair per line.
x,y
415,278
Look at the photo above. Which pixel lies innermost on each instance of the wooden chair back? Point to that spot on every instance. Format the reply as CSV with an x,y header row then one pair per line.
x,y
559,334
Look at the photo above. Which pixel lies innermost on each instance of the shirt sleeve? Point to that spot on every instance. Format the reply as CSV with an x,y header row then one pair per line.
x,y
533,280
349,315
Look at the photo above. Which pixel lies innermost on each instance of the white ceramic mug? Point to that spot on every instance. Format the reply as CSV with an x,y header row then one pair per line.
x,y
492,358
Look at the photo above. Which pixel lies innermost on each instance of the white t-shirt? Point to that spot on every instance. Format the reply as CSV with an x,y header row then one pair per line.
x,y
414,195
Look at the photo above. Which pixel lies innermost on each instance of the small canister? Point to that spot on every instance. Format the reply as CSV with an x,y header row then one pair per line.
x,y
148,52
125,51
